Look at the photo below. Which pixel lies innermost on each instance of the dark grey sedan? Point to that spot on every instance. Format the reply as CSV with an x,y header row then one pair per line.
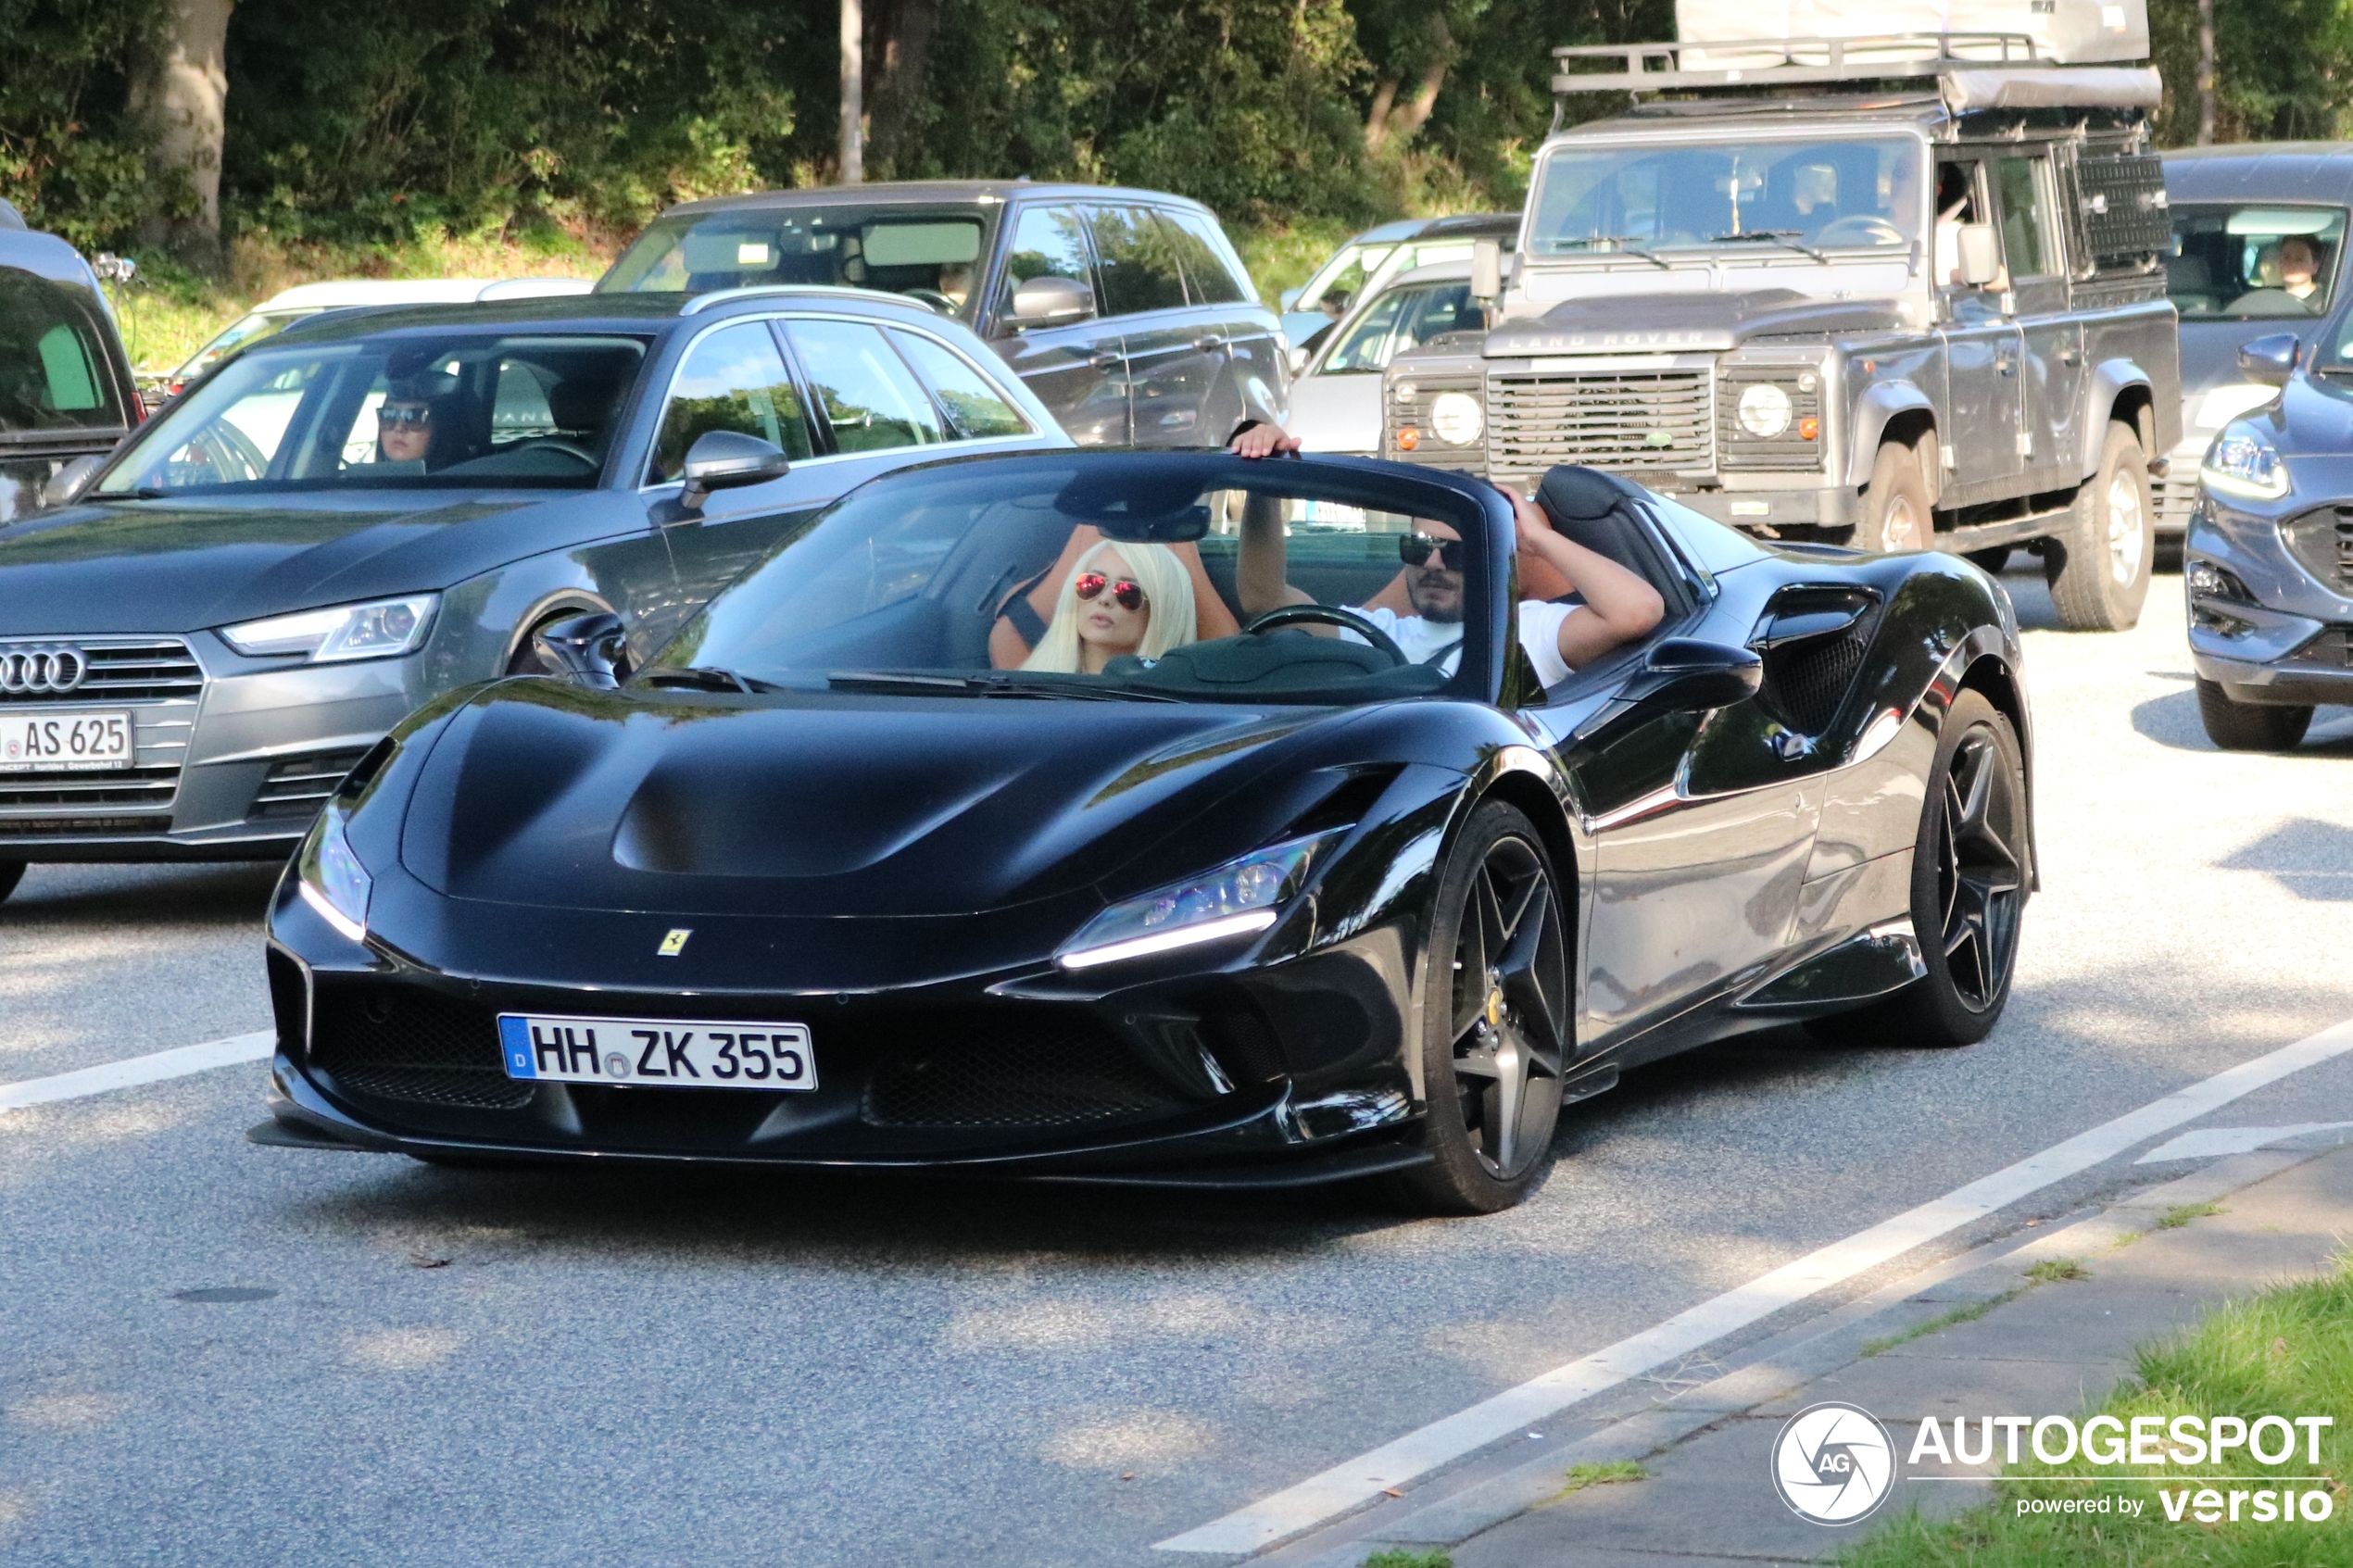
x,y
379,505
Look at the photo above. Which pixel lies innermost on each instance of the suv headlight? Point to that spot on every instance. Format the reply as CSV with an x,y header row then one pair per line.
x,y
377,630
1240,897
1764,409
2243,462
1457,418
331,879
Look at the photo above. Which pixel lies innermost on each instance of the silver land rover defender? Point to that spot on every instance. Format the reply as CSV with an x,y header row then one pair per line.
x,y
1866,291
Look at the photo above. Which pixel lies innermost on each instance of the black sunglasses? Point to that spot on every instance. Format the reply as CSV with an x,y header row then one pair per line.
x,y
391,418
1415,549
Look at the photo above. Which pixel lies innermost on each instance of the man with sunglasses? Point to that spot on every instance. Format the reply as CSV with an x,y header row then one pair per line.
x,y
1619,607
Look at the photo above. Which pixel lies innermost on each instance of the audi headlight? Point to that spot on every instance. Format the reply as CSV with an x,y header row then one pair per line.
x,y
1764,410
378,630
2243,462
331,878
1457,418
1243,896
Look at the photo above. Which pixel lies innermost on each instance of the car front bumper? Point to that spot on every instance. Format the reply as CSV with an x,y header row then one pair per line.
x,y
2288,640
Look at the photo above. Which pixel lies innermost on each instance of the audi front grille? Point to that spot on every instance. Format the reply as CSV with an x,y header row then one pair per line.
x,y
156,679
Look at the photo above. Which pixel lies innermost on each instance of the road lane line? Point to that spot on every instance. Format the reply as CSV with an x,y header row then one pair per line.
x,y
1360,1480
178,1062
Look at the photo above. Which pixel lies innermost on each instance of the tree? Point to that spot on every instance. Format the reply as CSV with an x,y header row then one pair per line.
x,y
180,94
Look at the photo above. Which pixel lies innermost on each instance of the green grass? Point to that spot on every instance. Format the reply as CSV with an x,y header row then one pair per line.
x,y
1969,1313
2181,1214
2287,1353
1584,1475
1401,1559
2052,1270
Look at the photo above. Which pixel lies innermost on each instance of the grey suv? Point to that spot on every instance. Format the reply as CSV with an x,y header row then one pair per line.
x,y
66,389
1127,312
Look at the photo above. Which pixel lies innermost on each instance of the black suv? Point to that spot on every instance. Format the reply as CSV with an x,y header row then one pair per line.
x,y
1126,312
65,389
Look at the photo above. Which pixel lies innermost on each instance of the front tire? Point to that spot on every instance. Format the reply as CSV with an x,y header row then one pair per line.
x,y
11,874
2100,575
1969,891
1895,507
1496,1022
2249,726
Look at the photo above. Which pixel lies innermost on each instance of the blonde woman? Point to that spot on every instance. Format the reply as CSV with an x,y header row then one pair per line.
x,y
1118,600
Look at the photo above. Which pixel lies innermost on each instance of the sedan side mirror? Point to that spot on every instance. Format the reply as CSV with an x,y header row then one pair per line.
x,y
727,459
63,487
589,650
1683,674
1052,302
1981,257
1291,299
2269,361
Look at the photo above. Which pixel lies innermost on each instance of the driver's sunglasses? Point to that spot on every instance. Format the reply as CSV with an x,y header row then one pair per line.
x,y
1415,549
1129,596
393,419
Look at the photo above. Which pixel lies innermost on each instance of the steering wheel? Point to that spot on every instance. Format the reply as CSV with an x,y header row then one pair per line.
x,y
1292,615
558,443
1860,228
934,298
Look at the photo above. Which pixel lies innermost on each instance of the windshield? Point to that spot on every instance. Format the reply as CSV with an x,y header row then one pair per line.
x,y
2248,262
1118,576
930,254
242,334
1402,320
53,362
411,410
1824,192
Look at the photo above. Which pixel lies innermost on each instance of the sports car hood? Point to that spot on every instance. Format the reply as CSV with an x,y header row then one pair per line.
x,y
159,566
814,806
1621,323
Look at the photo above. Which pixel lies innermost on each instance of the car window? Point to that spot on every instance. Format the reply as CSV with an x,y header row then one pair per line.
x,y
732,380
2246,262
1208,280
519,409
976,409
1366,345
868,396
1049,242
929,253
1138,253
2027,248
53,370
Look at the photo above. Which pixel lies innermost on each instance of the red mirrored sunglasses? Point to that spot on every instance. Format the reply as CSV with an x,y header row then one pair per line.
x,y
1128,594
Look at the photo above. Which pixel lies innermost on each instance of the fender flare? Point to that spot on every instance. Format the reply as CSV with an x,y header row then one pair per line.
x,y
2110,379
1882,402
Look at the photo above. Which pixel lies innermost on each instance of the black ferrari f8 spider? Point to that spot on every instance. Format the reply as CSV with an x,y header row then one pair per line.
x,y
835,881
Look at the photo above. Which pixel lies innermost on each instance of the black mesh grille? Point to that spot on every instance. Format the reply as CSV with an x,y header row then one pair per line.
x,y
1032,1071
99,786
1806,680
413,1045
2322,543
78,827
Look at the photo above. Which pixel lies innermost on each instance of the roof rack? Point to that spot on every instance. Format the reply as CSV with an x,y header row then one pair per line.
x,y
1772,62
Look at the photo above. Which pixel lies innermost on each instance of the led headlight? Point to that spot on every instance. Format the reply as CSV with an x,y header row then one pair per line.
x,y
2243,462
1241,896
378,630
331,878
1457,418
1764,409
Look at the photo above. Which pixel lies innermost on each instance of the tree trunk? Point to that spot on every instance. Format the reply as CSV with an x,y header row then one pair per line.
x,y
853,91
179,89
1376,122
906,30
2204,73
1416,114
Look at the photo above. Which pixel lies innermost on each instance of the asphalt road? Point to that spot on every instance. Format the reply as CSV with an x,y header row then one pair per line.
x,y
433,1366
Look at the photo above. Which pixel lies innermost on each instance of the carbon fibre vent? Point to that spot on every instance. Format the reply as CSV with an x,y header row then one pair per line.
x,y
1813,641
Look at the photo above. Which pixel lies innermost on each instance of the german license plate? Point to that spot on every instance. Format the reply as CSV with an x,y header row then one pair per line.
x,y
696,1054
50,743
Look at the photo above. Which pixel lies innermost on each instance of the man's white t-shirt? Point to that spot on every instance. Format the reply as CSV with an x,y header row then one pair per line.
x,y
1540,635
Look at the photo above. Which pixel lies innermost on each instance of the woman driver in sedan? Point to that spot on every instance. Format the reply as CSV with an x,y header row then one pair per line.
x,y
1619,607
1118,600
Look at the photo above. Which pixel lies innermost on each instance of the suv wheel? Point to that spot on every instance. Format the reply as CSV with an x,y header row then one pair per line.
x,y
1896,509
2249,726
2100,573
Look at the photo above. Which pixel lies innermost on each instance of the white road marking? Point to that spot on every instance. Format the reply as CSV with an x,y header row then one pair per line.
x,y
177,1062
1360,1480
2207,1142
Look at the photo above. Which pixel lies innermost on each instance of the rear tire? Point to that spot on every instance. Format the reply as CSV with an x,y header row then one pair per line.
x,y
2099,575
1895,507
2249,726
11,874
1990,560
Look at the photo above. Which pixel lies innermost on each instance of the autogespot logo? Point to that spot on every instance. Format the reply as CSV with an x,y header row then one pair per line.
x,y
42,671
1833,1463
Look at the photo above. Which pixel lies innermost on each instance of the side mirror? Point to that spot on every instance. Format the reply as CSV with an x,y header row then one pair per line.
x,y
1052,302
1682,675
1487,268
1291,299
2268,361
727,459
1981,257
590,650
65,486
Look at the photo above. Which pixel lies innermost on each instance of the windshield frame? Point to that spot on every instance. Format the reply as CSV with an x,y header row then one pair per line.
x,y
988,212
1711,252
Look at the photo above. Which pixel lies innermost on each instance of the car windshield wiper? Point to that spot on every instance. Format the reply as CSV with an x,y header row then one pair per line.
x,y
702,677
1009,683
1625,243
145,493
1785,238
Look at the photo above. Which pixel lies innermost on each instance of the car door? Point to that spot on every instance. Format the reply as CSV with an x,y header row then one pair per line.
x,y
2050,337
1984,410
1175,353
1077,369
1257,355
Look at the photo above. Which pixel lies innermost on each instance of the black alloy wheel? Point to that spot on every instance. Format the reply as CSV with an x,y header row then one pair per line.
x,y
1969,891
1496,1022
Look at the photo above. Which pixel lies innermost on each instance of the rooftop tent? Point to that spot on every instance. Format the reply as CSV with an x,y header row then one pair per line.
x,y
2064,31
